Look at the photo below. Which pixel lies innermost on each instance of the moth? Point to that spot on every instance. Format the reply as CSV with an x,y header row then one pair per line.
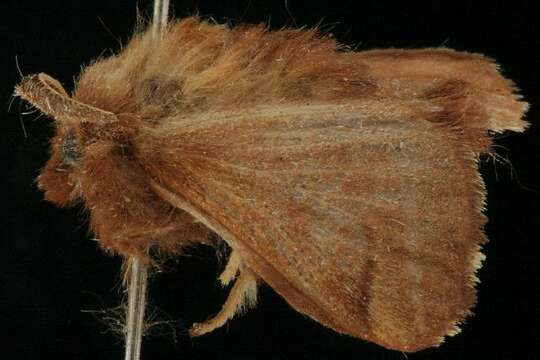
x,y
346,181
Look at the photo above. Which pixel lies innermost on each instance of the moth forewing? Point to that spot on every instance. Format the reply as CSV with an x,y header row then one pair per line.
x,y
364,222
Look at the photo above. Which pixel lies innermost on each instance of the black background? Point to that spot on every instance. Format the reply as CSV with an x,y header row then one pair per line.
x,y
50,270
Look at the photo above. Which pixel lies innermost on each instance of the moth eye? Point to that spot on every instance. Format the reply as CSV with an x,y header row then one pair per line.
x,y
71,154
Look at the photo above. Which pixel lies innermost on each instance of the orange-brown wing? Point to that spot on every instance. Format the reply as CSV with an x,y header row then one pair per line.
x,y
365,217
468,86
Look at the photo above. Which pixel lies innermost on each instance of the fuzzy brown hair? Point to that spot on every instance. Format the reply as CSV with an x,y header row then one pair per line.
x,y
346,181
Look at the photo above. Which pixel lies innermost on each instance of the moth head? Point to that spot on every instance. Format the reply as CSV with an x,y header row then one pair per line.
x,y
93,160
79,127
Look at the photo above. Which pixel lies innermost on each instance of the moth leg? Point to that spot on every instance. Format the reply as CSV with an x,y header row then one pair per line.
x,y
233,265
243,296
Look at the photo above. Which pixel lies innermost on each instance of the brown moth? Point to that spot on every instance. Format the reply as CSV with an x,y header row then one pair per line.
x,y
347,181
